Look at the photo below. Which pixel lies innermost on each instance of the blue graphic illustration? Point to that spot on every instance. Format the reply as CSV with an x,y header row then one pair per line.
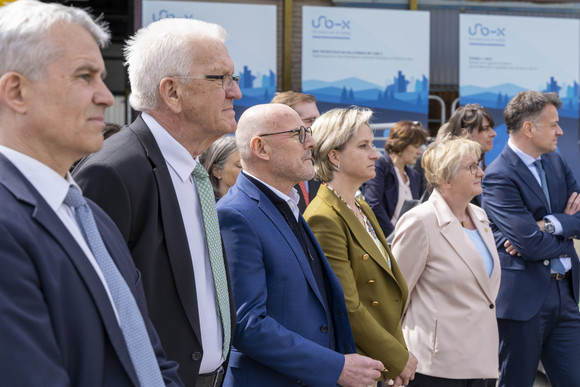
x,y
395,96
497,97
256,89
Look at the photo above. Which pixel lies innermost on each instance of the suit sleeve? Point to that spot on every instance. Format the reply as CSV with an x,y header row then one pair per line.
x,y
411,249
257,334
505,206
375,341
29,353
570,223
374,193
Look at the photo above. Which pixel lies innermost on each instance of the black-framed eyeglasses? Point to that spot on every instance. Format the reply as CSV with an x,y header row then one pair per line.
x,y
227,79
473,168
301,133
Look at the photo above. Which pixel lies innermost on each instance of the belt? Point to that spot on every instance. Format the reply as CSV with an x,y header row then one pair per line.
x,y
214,379
558,276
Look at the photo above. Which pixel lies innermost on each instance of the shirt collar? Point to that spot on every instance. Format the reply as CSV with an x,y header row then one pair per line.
x,y
294,197
173,152
526,158
51,186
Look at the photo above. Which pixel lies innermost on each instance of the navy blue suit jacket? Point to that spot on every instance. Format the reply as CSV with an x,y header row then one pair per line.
x,y
382,191
280,338
514,201
57,325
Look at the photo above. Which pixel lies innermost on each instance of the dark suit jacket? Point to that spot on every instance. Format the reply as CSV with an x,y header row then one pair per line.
x,y
129,179
57,325
514,201
382,191
313,186
282,331
375,311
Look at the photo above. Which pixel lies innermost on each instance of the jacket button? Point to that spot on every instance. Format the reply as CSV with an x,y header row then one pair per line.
x,y
365,257
371,282
375,303
546,262
324,328
196,356
490,306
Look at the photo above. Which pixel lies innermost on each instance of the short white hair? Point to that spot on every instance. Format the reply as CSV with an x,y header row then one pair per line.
x,y
161,49
23,28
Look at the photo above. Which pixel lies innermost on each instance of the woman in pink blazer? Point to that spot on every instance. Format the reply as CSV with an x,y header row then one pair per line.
x,y
446,251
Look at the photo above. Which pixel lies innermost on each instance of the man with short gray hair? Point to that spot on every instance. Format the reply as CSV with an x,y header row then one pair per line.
x,y
148,179
72,308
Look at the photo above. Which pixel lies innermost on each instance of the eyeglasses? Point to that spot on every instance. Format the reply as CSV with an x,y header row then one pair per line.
x,y
227,79
301,133
473,168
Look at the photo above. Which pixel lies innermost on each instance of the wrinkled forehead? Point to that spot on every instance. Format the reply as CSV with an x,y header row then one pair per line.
x,y
211,55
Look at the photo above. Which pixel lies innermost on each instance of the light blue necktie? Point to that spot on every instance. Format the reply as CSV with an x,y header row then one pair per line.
x,y
555,263
130,318
214,243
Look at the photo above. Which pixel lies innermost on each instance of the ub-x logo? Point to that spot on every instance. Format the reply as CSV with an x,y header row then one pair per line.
x,y
323,21
485,31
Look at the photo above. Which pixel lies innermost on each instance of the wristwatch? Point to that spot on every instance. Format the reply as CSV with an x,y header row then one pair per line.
x,y
549,226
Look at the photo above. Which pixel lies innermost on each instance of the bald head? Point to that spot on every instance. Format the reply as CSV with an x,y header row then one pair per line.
x,y
259,119
269,147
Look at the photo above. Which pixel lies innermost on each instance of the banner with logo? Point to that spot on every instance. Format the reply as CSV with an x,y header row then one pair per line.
x,y
252,49
501,56
358,56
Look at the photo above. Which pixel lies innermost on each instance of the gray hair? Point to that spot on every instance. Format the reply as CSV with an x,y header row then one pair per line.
x,y
441,159
333,130
23,28
216,155
162,49
527,106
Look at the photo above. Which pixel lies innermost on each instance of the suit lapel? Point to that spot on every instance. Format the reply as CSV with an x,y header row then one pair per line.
x,y
364,240
453,232
176,238
525,175
42,214
273,214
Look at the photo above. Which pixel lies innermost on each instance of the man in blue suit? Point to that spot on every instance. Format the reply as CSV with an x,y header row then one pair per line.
x,y
72,307
531,196
292,324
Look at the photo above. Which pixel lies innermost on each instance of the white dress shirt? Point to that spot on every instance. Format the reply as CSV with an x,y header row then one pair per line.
x,y
291,200
180,164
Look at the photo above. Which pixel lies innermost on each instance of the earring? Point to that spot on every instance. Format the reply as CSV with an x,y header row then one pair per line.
x,y
219,177
338,167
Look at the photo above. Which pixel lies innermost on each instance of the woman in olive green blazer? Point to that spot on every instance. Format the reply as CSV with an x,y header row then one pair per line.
x,y
352,240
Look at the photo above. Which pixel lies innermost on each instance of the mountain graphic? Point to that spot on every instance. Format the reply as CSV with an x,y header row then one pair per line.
x,y
353,83
504,88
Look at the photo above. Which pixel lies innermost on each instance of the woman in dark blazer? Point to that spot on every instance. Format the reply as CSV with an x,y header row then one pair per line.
x,y
396,180
351,238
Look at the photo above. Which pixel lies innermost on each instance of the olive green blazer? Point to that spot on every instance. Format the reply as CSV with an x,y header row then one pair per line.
x,y
375,294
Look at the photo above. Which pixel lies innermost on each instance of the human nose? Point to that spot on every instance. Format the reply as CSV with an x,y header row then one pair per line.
x,y
492,132
234,91
374,154
559,131
480,172
103,95
309,142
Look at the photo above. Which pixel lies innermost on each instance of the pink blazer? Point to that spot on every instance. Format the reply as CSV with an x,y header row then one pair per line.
x,y
449,323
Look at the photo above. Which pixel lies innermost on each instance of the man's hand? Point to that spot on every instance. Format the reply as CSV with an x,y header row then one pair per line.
x,y
359,371
573,205
408,373
510,249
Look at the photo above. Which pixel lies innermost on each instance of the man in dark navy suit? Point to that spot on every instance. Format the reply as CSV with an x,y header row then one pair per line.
x,y
72,306
531,196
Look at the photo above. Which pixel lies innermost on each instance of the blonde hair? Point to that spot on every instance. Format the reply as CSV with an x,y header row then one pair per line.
x,y
333,130
441,159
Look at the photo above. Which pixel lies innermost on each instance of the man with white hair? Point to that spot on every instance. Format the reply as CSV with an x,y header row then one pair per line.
x,y
293,325
148,179
72,308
